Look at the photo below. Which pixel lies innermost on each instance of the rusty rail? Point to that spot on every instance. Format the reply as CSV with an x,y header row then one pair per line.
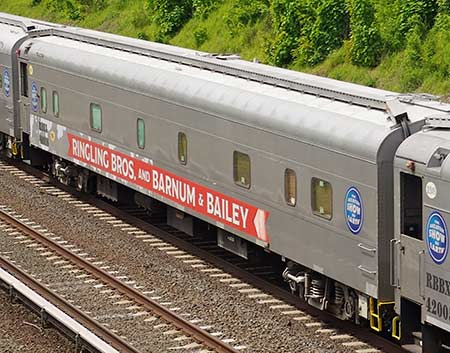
x,y
100,331
187,327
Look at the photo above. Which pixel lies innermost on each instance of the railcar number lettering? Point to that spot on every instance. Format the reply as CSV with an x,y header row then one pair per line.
x,y
438,309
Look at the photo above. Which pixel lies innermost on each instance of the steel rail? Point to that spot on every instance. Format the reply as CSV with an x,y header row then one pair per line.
x,y
358,332
187,327
83,319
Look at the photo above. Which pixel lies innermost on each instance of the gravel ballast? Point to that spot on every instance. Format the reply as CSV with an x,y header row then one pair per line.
x,y
20,331
213,303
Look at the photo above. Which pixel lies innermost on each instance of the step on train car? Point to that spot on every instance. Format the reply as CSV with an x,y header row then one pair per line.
x,y
332,178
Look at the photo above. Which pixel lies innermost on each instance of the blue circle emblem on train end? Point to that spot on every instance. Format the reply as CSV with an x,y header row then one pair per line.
x,y
34,97
6,83
354,210
437,237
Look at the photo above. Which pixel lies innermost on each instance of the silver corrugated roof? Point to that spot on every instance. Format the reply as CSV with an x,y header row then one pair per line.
x,y
332,124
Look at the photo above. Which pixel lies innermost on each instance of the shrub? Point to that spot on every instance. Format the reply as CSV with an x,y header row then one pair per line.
x,y
246,13
200,36
202,8
365,39
330,28
169,15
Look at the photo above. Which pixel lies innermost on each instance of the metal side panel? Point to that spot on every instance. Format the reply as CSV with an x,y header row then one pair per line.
x,y
411,261
436,274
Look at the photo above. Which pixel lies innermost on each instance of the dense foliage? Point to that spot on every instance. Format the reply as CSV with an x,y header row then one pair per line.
x,y
394,44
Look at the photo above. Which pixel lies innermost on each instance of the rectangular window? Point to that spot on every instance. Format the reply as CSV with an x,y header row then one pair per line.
x,y
182,147
411,204
55,104
141,133
96,117
24,79
322,198
241,169
43,100
290,187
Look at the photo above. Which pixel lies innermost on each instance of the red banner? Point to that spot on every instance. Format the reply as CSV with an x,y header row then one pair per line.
x,y
217,206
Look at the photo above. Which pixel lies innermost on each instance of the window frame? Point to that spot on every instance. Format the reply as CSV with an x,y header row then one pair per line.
x,y
316,212
91,123
140,120
56,114
287,196
236,177
181,136
43,99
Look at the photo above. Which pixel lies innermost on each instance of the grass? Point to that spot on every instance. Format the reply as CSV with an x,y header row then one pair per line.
x,y
397,71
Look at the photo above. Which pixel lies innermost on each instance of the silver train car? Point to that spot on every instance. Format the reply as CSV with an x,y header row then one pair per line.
x,y
333,178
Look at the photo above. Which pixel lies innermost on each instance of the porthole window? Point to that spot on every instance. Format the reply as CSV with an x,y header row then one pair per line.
x,y
290,187
182,147
141,133
322,198
96,117
43,100
55,104
241,169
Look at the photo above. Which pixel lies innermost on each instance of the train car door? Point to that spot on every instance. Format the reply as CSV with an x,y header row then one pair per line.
x,y
24,93
411,247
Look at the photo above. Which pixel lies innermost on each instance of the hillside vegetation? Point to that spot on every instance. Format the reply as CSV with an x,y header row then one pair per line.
x,y
400,45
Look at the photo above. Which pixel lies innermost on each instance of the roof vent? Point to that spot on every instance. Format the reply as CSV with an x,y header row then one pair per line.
x,y
438,158
438,121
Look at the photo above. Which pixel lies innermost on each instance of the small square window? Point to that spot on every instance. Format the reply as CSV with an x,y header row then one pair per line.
x,y
141,133
241,169
43,100
182,147
322,198
96,117
290,187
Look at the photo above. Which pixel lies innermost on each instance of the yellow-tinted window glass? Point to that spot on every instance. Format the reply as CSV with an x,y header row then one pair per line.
x,y
241,169
322,198
290,187
182,147
43,100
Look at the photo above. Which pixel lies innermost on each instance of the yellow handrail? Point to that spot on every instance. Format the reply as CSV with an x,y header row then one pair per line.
x,y
396,328
376,323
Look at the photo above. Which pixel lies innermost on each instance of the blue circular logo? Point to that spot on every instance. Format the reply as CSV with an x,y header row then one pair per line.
x,y
354,210
437,238
6,83
34,97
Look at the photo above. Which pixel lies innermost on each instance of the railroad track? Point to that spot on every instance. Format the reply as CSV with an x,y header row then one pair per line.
x,y
55,250
263,290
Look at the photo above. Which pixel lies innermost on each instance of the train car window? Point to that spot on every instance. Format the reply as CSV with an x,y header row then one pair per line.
x,y
1,81
290,187
141,133
96,117
24,79
322,198
55,104
241,169
43,100
411,205
182,147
